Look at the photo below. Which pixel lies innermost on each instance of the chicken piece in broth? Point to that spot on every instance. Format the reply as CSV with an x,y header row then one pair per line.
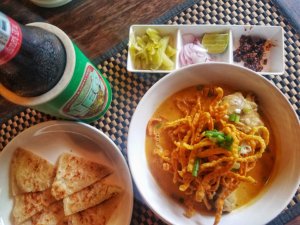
x,y
245,108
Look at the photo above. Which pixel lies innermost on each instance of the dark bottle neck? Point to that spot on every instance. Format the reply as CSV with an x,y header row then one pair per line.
x,y
38,65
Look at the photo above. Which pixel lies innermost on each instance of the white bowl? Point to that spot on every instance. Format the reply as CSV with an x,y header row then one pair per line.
x,y
284,122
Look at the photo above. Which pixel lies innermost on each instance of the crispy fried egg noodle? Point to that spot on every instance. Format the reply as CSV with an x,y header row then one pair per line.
x,y
207,152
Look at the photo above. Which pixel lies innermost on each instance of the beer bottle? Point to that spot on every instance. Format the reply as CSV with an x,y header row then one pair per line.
x,y
42,68
32,59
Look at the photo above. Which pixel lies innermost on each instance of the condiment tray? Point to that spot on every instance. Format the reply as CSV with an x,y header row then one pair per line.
x,y
274,58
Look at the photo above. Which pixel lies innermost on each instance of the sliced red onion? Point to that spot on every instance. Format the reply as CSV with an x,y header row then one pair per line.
x,y
188,38
192,53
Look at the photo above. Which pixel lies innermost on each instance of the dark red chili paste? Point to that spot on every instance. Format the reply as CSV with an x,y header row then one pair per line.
x,y
251,52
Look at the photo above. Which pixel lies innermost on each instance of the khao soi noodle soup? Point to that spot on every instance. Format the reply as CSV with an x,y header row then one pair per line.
x,y
209,148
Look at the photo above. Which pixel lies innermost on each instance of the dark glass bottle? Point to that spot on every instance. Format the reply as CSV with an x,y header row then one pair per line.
x,y
32,60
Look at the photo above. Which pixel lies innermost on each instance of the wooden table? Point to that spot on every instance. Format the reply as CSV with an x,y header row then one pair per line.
x,y
94,25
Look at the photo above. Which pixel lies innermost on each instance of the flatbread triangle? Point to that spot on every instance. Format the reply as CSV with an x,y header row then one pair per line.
x,y
97,215
53,215
28,204
30,172
89,197
75,173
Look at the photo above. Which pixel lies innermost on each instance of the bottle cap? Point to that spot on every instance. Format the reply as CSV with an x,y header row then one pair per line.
x,y
50,3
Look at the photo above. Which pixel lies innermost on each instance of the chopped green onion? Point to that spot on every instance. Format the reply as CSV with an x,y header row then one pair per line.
x,y
212,133
227,142
223,140
234,117
196,167
246,110
228,138
220,138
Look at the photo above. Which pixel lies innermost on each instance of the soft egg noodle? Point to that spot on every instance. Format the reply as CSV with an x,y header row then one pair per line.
x,y
202,149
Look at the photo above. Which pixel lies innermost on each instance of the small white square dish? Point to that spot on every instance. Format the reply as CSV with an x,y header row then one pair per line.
x,y
198,33
263,50
138,31
273,62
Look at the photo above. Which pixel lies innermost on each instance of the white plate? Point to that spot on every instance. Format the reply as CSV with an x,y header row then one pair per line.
x,y
49,140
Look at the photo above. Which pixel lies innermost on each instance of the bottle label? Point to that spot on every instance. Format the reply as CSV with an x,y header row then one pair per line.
x,y
90,98
10,38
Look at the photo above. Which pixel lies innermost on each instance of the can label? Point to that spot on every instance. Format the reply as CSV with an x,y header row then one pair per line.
x,y
10,38
89,97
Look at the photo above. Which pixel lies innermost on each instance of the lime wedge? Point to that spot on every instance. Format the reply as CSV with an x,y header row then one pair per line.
x,y
215,43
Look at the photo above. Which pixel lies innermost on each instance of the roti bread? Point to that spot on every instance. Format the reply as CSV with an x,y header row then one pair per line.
x,y
27,222
29,204
53,215
97,215
89,197
75,173
30,172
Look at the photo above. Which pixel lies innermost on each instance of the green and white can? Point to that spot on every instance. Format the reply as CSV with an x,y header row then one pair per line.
x,y
82,93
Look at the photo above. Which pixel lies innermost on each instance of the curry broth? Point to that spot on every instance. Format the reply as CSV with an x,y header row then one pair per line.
x,y
245,193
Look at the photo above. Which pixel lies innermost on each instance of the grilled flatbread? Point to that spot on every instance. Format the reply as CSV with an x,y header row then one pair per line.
x,y
89,197
53,215
97,215
75,173
30,172
29,204
27,222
